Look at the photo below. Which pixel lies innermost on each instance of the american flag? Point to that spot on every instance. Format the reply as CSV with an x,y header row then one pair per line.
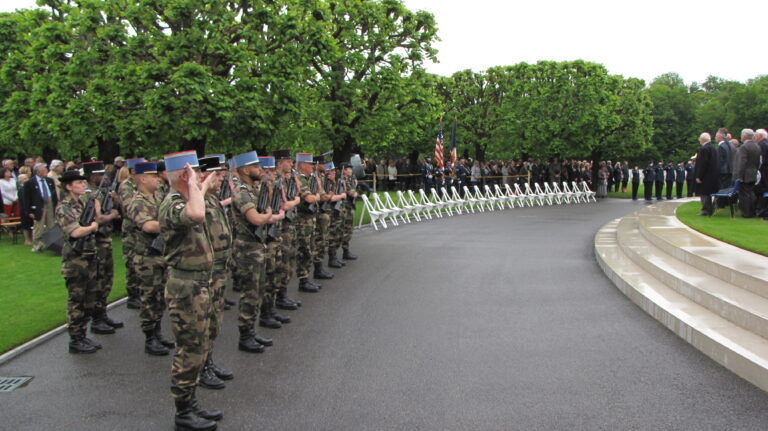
x,y
439,148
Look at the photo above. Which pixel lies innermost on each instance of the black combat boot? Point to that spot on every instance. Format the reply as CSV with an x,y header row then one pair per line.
x,y
79,345
306,286
187,420
320,273
100,326
93,343
267,320
333,261
153,346
111,322
229,304
248,343
283,302
208,379
210,414
164,341
134,302
348,255
222,373
282,318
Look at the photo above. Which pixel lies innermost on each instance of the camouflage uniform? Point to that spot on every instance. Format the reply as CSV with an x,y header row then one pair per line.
x,y
249,254
79,270
221,241
147,262
320,239
335,226
305,229
105,268
347,214
189,256
287,263
125,192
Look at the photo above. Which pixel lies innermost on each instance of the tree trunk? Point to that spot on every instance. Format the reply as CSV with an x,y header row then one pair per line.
x,y
108,151
195,144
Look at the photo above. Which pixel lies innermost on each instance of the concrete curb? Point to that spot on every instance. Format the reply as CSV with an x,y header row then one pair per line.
x,y
18,350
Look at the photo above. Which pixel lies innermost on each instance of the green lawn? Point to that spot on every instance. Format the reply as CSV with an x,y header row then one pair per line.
x,y
750,234
33,298
641,190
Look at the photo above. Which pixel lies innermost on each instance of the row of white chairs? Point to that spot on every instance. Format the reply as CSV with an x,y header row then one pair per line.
x,y
412,206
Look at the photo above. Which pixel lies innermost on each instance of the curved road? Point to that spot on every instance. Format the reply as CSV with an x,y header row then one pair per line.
x,y
493,321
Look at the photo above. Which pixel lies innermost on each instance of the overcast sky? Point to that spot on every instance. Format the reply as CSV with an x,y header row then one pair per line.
x,y
639,38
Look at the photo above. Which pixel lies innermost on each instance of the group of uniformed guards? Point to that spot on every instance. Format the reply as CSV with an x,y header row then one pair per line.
x,y
189,225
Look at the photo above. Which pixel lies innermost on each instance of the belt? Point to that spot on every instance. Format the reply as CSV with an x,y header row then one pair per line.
x,y
190,275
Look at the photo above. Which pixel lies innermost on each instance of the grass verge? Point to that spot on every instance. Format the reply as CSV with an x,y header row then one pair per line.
x,y
750,234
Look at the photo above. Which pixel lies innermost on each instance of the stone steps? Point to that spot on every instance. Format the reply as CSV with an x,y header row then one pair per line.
x,y
725,321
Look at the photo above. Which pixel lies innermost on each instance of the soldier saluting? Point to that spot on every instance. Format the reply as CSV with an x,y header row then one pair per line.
x,y
189,256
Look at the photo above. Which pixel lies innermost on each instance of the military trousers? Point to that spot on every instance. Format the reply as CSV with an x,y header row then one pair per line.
x,y
131,277
320,239
287,254
82,292
272,269
347,226
105,274
189,307
335,231
249,275
305,230
219,278
151,272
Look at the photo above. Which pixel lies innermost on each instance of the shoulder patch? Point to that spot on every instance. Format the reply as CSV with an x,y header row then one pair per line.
x,y
180,205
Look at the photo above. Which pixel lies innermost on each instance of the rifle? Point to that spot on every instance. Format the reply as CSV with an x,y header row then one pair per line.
x,y
88,216
261,207
225,192
326,207
313,191
339,190
107,202
158,244
291,195
277,201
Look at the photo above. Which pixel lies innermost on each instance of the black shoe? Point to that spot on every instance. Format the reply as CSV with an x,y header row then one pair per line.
x,y
230,303
93,343
306,286
164,341
320,273
248,343
348,256
113,323
282,318
209,380
269,322
134,303
101,327
187,420
227,306
263,340
333,261
79,345
210,414
222,373
285,304
153,346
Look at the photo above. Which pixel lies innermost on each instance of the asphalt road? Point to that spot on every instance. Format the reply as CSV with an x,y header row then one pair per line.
x,y
495,321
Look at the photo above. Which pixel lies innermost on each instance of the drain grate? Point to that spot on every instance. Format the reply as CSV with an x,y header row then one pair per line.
x,y
8,384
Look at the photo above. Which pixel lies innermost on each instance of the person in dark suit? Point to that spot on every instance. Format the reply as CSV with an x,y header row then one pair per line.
x,y
707,173
659,171
649,176
680,179
635,182
746,163
624,176
761,137
725,157
689,178
40,202
669,178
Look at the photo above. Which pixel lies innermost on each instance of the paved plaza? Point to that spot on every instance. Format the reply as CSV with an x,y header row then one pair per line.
x,y
492,321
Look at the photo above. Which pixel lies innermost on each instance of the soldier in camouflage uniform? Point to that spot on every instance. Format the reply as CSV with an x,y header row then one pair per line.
x,y
213,376
189,256
287,263
335,227
142,211
348,212
269,317
305,222
78,264
105,271
322,221
249,250
125,192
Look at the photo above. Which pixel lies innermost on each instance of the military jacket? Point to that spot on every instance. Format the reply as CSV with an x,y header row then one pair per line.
x,y
349,189
68,217
141,209
244,199
218,228
187,243
125,192
161,191
104,234
305,208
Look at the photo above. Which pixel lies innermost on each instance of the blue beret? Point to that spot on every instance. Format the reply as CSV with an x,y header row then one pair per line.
x,y
267,162
131,163
304,158
177,161
245,159
145,168
330,166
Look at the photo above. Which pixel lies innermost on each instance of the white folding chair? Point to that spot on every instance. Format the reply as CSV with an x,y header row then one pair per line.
x,y
434,206
537,198
588,193
456,204
376,216
551,192
503,197
423,209
445,206
565,193
390,213
472,200
409,208
514,197
527,199
492,198
465,206
578,192
402,212
547,198
482,199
